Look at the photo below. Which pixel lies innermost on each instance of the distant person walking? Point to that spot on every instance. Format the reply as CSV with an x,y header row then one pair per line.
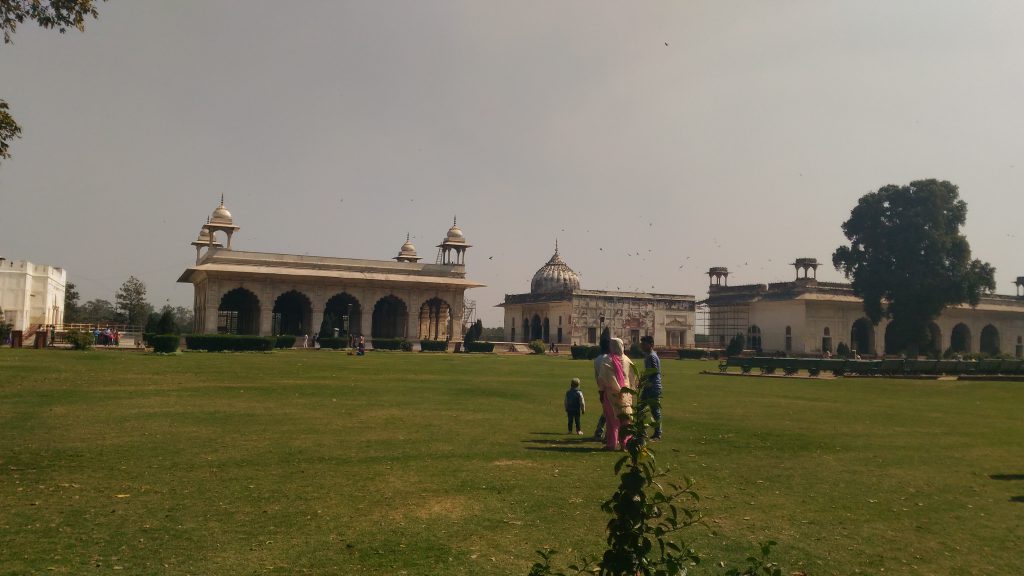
x,y
575,405
305,340
615,374
652,391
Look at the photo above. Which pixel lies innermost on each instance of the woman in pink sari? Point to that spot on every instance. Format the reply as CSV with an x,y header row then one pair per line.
x,y
614,374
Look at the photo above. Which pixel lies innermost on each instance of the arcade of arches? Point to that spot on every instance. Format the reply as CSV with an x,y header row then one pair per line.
x,y
294,312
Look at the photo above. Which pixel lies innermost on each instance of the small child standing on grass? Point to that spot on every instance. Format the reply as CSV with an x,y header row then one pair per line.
x,y
575,405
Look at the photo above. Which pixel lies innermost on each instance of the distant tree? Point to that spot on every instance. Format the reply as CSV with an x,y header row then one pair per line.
x,y
184,318
97,311
166,324
493,334
327,327
131,301
908,260
474,332
59,14
71,302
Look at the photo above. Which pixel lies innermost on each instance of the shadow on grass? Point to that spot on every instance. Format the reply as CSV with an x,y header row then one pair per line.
x,y
573,440
577,449
1018,499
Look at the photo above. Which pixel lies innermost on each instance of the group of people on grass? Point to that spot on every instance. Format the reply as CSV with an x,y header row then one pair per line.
x,y
613,371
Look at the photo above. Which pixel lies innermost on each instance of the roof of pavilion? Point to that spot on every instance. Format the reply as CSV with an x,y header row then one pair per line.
x,y
811,290
295,266
531,298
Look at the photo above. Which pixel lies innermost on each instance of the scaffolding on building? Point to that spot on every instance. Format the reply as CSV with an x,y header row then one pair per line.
x,y
468,315
724,322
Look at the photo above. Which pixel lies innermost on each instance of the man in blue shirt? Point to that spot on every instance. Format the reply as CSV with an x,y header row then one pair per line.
x,y
652,392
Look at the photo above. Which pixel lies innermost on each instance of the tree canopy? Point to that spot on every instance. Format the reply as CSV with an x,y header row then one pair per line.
x,y
131,301
907,258
50,14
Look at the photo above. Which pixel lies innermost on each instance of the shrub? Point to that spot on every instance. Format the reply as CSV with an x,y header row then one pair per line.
x,y
537,346
479,346
284,342
147,338
433,345
333,343
79,339
584,352
229,342
166,324
165,343
735,347
475,332
692,354
392,344
842,350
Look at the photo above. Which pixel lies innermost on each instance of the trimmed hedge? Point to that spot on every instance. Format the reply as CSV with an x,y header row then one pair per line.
x,y
584,352
479,346
229,342
285,342
392,344
165,343
692,354
635,352
433,345
537,346
333,343
147,338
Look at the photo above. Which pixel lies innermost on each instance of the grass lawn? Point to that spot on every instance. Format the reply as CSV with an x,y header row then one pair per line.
x,y
321,463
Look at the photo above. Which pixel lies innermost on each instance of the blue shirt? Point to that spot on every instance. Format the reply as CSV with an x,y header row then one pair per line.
x,y
652,361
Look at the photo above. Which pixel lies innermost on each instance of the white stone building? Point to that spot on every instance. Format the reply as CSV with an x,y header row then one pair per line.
x,y
31,295
558,310
809,317
270,294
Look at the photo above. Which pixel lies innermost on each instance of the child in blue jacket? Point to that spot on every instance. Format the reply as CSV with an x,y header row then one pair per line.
x,y
575,405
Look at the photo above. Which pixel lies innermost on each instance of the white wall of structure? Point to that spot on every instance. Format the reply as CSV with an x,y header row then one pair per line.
x,y
31,294
814,324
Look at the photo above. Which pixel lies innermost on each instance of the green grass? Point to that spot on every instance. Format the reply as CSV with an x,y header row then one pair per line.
x,y
322,463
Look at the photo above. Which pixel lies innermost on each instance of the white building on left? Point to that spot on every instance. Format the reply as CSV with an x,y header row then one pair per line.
x,y
31,295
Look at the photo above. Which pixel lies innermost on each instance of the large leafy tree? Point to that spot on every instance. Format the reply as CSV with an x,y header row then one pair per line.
x,y
908,260
97,311
131,301
71,302
52,14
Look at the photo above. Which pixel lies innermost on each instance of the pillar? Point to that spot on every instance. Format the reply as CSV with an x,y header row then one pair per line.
x,y
316,320
266,319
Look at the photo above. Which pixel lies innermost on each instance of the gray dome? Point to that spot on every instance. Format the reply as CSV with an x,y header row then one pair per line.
x,y
555,277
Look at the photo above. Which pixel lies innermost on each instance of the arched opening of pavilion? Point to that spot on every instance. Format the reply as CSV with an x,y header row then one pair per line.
x,y
238,313
435,320
891,345
547,330
342,312
536,328
960,338
826,339
753,337
526,330
390,318
989,343
862,336
293,315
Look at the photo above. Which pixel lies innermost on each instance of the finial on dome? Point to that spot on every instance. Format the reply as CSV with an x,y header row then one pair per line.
x,y
221,198
406,236
556,245
455,220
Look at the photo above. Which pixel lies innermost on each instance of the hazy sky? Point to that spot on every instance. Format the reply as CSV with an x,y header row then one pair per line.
x,y
334,128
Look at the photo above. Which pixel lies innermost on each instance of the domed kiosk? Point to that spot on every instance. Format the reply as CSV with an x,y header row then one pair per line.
x,y
557,310
271,294
555,277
